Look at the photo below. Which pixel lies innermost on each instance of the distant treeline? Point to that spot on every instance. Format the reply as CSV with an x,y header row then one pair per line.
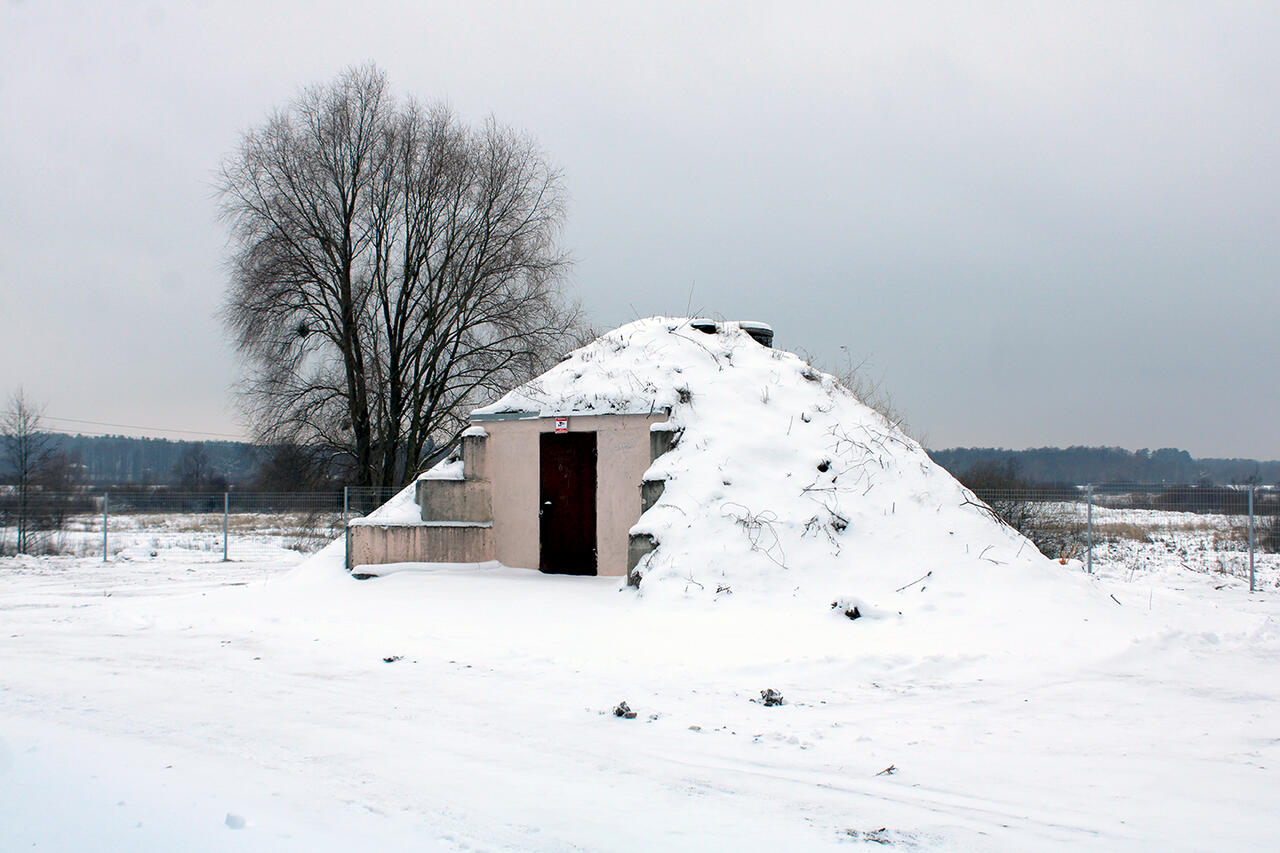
x,y
119,461
1099,465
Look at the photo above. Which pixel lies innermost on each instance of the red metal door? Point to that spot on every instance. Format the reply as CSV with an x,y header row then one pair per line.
x,y
567,503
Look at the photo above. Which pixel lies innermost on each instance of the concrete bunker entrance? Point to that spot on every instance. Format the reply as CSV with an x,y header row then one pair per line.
x,y
567,503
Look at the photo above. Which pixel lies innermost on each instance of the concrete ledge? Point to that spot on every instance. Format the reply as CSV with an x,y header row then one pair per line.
x,y
661,440
638,545
378,544
650,491
474,458
455,500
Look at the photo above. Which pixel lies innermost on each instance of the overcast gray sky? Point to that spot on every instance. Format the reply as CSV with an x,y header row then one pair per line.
x,y
1042,224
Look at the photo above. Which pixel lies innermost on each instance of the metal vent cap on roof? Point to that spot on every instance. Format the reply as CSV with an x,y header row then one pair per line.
x,y
762,333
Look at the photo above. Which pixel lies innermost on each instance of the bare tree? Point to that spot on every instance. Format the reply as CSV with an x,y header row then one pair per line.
x,y
293,468
392,267
194,469
27,454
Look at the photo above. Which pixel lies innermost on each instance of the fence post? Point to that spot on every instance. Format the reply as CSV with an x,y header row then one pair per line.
x,y
106,505
226,514
1088,491
346,531
24,518
1251,586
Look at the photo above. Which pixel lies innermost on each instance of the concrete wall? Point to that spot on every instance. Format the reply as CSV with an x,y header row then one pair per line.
x,y
374,544
512,459
454,500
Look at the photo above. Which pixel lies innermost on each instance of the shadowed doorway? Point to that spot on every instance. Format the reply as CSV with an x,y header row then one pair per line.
x,y
567,503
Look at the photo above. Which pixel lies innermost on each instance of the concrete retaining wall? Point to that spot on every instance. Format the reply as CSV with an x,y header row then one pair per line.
x,y
374,544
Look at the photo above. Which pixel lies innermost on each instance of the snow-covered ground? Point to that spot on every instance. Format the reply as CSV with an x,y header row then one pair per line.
x,y
944,686
175,702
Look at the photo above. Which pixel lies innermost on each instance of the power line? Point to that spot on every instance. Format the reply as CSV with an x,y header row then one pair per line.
x,y
93,433
148,428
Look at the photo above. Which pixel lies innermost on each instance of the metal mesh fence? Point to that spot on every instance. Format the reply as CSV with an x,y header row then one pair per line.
x,y
84,523
1209,528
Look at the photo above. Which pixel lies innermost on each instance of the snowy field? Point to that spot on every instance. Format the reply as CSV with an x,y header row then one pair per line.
x,y
166,700
1138,539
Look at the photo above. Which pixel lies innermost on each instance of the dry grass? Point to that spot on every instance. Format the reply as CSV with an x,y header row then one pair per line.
x,y
276,523
1215,530
1115,531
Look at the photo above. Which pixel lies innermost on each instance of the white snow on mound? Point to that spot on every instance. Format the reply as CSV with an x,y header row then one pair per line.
x,y
781,482
403,507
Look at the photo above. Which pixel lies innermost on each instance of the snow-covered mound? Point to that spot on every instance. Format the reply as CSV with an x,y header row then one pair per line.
x,y
781,481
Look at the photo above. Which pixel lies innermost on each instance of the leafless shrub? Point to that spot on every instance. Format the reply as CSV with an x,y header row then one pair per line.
x,y
870,391
1038,513
759,529
1270,538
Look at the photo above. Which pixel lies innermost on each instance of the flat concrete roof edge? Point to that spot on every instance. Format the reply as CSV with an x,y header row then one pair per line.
x,y
588,413
505,416
373,522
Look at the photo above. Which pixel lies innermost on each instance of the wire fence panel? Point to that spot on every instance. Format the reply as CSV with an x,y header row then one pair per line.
x,y
1054,518
362,500
1206,528
83,523
1231,530
37,522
